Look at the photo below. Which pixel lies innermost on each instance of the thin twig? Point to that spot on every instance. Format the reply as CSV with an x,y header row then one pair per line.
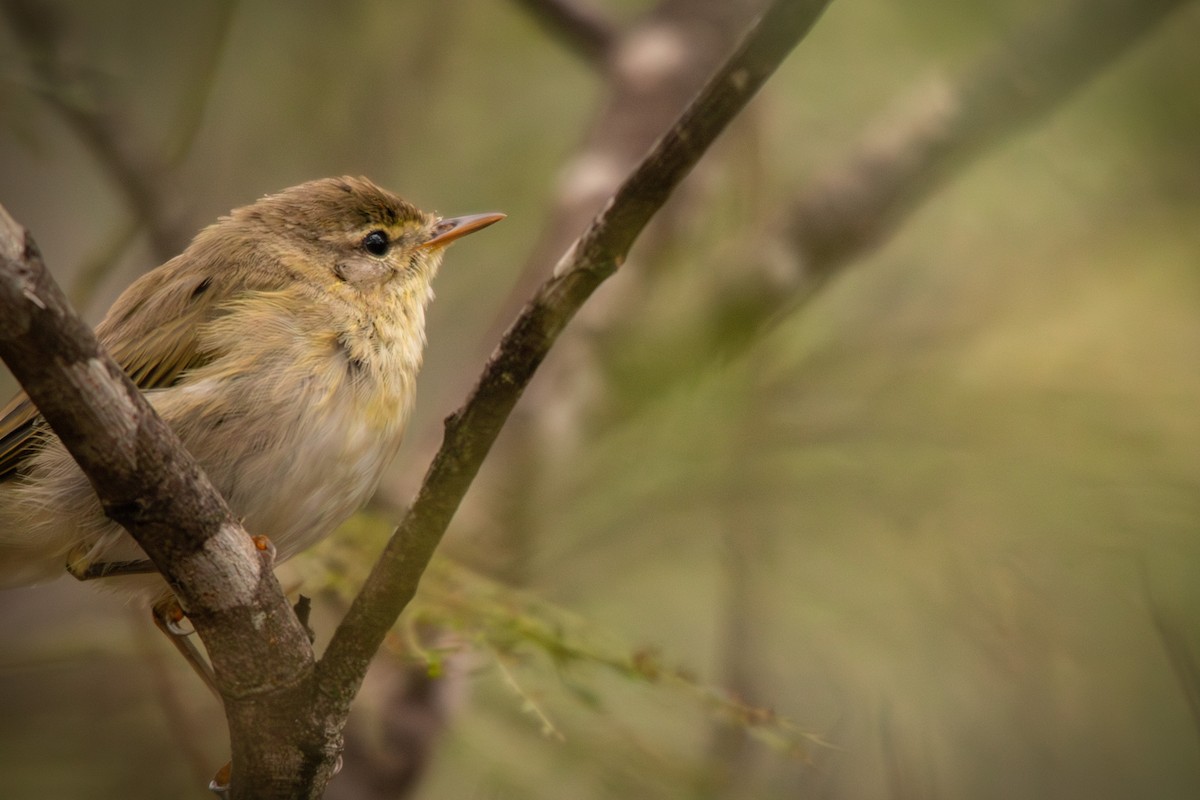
x,y
471,430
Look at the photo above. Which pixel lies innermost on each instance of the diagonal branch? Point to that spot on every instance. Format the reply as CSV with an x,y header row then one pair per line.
x,y
657,65
1044,62
149,484
856,204
645,93
595,256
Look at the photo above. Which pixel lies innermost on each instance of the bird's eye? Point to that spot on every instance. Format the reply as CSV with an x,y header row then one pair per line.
x,y
376,243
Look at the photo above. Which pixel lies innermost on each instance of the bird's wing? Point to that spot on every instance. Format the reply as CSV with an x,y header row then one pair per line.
x,y
17,434
153,339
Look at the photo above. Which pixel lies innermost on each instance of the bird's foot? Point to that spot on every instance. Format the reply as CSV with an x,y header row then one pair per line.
x,y
169,616
82,568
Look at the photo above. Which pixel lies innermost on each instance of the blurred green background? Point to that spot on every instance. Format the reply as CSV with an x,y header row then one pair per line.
x,y
941,520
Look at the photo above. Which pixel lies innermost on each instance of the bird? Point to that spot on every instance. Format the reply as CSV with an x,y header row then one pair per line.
x,y
282,346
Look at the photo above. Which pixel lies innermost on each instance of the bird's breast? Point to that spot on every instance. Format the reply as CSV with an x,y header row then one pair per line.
x,y
297,426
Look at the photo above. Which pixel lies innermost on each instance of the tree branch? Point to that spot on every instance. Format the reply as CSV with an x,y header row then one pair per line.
x,y
151,486
855,205
852,207
595,256
285,717
657,65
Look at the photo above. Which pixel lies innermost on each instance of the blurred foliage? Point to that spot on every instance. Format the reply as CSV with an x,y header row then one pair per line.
x,y
462,616
938,517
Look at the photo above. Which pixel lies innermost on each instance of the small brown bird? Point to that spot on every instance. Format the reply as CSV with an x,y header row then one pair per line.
x,y
282,346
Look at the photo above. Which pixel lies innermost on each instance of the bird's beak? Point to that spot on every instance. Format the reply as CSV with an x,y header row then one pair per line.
x,y
447,230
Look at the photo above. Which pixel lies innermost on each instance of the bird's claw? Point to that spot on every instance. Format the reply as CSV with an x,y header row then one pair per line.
x,y
265,547
219,785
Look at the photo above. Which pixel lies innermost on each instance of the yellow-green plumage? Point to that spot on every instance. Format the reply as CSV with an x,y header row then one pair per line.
x,y
281,346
